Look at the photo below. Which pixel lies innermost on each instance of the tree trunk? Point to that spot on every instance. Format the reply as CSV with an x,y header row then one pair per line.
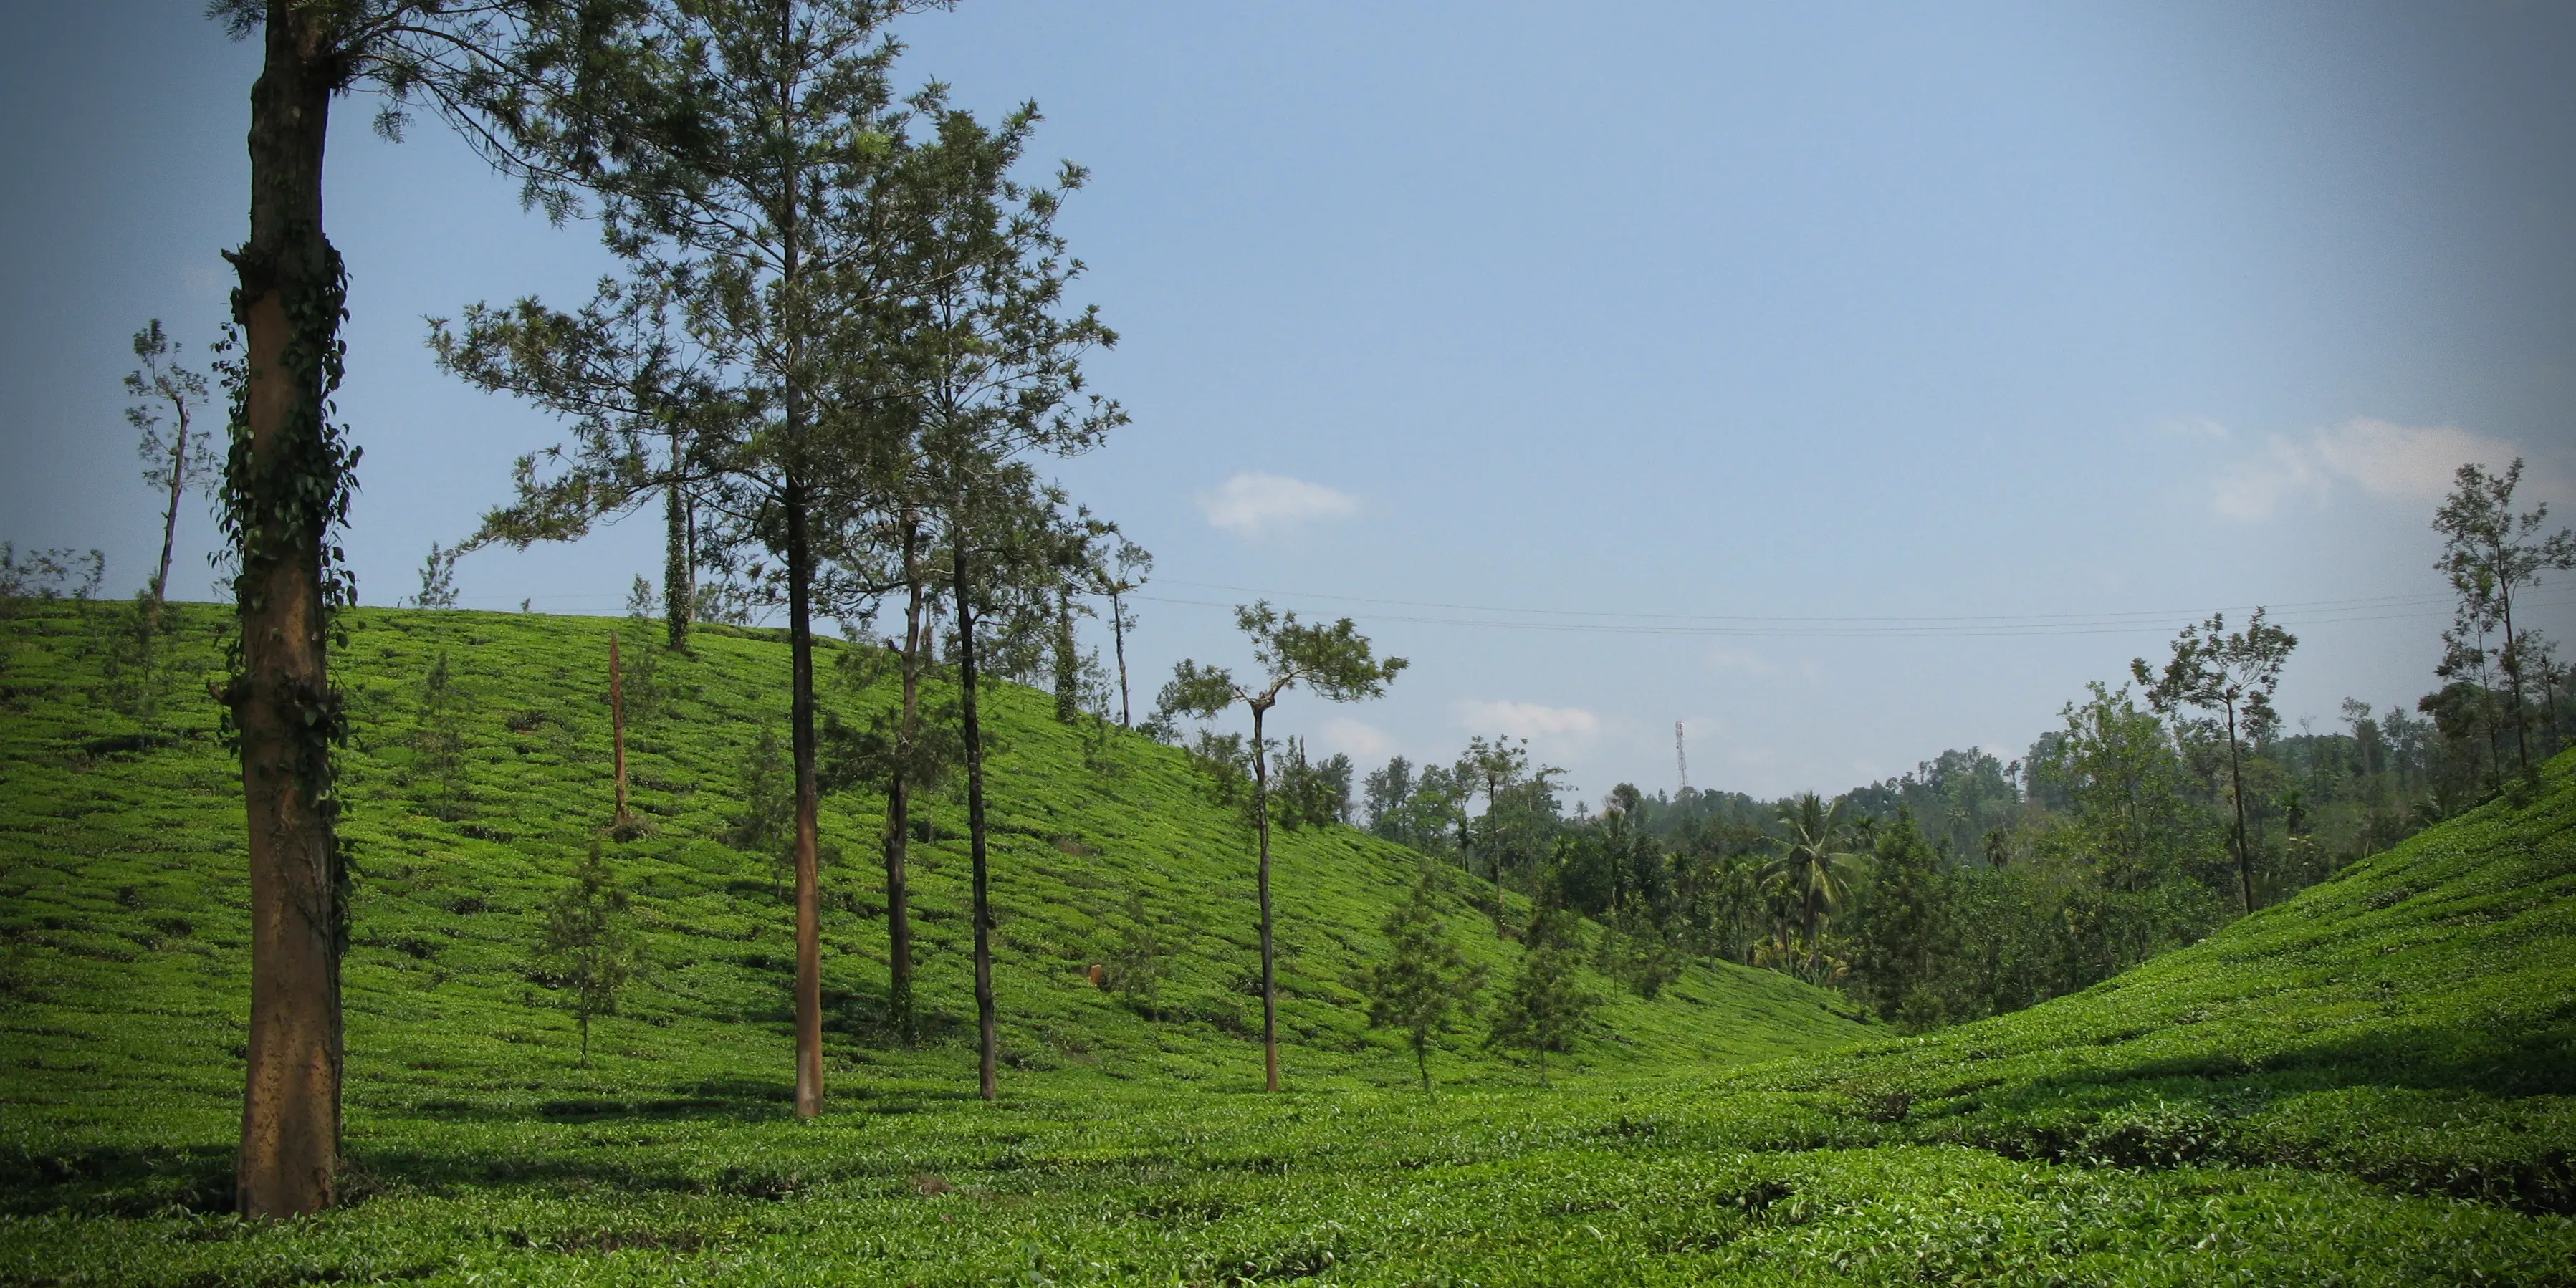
x,y
679,589
899,799
170,515
2513,677
809,915
617,724
1269,981
1118,636
2236,789
286,473
986,1045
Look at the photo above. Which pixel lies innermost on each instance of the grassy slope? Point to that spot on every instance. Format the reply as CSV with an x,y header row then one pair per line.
x,y
2368,1084
125,890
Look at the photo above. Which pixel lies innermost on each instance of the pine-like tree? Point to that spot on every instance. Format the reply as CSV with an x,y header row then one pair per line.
x,y
1424,982
589,943
1545,1006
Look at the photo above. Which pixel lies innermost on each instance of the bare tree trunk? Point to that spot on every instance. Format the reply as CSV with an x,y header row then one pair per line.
x,y
288,305
2513,677
986,1042
899,798
809,914
170,514
617,723
1118,634
1269,980
2236,780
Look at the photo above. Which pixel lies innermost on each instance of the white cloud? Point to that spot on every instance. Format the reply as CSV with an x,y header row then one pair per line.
x,y
1726,659
1363,742
1251,504
1528,719
2403,463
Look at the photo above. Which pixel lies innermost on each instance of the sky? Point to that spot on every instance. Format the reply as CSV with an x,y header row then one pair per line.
x,y
1846,382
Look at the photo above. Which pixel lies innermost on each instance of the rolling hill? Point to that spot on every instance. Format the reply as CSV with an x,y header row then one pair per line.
x,y
2367,1084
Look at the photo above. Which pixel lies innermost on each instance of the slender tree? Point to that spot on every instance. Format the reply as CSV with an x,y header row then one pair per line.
x,y
1495,768
989,362
177,454
2233,675
1122,573
1337,664
589,944
1423,981
2490,554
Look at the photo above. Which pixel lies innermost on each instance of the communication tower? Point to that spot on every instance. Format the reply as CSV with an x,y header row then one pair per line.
x,y
1681,758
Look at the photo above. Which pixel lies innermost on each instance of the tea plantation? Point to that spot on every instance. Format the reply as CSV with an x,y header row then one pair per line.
x,y
2368,1084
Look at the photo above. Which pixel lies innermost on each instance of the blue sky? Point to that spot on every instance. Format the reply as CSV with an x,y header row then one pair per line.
x,y
1508,328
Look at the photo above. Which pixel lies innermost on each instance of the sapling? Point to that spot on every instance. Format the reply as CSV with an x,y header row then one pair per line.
x,y
1424,982
1544,1008
589,943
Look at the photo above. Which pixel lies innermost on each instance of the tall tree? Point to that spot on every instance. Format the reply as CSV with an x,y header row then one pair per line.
x,y
1422,983
1337,664
1122,572
2490,554
1814,865
763,174
989,362
176,453
1494,768
2233,675
497,69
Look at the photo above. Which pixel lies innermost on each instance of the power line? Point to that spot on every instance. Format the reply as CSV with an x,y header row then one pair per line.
x,y
2313,613
2161,614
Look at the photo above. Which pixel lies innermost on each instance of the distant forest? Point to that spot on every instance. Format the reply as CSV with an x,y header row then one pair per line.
x,y
1973,886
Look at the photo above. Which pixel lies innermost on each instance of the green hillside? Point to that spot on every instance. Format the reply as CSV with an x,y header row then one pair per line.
x,y
2367,1084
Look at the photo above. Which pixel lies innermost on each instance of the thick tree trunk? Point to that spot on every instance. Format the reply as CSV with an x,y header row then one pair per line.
x,y
986,1043
288,306
809,913
899,798
1269,980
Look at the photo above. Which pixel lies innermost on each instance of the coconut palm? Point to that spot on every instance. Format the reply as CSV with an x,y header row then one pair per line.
x,y
1812,863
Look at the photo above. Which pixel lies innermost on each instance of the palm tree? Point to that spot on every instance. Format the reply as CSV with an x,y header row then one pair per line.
x,y
1812,863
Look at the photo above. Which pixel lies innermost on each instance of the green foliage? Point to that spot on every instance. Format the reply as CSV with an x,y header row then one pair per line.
x,y
1905,929
1310,794
438,742
2363,1084
138,670
1545,1008
1135,967
1423,982
588,948
766,820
